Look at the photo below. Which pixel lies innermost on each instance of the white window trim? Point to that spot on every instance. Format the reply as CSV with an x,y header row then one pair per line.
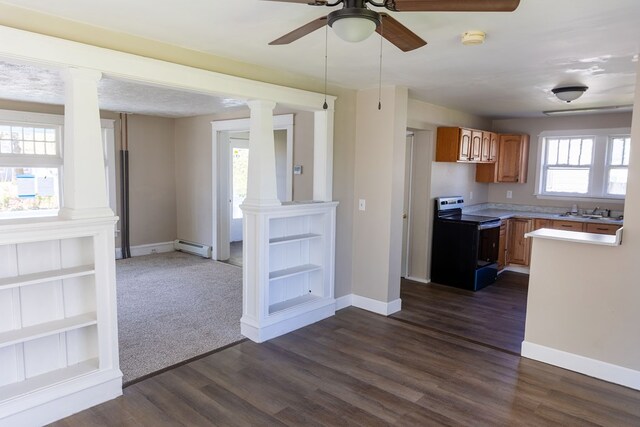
x,y
597,168
31,118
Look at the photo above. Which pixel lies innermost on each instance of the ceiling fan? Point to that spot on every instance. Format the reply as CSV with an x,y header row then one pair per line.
x,y
355,21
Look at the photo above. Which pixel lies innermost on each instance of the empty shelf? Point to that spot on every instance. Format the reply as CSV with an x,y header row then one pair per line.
x,y
46,276
304,299
10,391
293,238
45,329
293,271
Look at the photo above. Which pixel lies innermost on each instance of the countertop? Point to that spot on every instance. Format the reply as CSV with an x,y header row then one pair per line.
x,y
506,214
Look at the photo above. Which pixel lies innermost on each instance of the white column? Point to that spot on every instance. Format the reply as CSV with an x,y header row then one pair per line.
x,y
323,155
261,184
85,188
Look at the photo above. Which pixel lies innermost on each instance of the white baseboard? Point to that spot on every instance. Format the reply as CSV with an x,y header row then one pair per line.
x,y
418,279
344,302
152,248
584,365
59,401
375,306
516,268
290,322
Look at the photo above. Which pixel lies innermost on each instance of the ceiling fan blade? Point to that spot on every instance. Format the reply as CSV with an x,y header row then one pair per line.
x,y
452,5
301,31
399,35
309,2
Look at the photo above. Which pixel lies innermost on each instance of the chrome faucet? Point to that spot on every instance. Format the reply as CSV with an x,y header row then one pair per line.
x,y
595,210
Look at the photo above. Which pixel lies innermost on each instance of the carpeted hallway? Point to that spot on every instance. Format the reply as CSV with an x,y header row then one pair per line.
x,y
173,307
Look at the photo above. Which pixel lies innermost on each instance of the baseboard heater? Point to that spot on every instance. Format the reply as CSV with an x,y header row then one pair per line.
x,y
192,248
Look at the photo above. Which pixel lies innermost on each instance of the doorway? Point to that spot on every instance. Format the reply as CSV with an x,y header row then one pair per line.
x,y
231,153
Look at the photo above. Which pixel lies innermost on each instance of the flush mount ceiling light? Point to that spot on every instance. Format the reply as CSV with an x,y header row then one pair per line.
x,y
354,24
569,93
472,38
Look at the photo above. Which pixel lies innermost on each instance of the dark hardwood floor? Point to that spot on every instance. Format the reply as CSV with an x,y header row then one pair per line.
x,y
362,369
493,316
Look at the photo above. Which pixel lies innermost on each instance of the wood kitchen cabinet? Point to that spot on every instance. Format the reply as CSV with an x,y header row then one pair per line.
x,y
519,248
539,223
503,247
455,144
489,149
568,225
591,227
511,163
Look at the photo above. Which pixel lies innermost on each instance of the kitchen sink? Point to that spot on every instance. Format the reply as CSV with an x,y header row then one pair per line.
x,y
588,216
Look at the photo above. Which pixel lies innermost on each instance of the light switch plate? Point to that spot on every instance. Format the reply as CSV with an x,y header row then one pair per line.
x,y
509,194
361,204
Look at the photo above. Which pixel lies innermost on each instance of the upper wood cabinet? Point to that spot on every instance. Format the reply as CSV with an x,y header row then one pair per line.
x,y
511,163
489,150
462,145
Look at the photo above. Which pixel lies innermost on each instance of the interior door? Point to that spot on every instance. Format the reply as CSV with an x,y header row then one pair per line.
x,y
404,269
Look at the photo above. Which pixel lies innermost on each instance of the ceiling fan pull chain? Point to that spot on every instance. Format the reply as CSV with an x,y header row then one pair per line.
x,y
380,70
326,49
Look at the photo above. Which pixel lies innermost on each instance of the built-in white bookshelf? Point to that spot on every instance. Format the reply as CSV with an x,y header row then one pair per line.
x,y
58,333
291,271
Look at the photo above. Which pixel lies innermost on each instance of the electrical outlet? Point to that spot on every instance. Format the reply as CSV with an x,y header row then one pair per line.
x,y
361,204
154,251
509,194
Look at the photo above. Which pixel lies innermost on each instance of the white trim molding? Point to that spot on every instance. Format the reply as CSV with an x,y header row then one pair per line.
x,y
344,302
151,248
375,306
419,280
584,365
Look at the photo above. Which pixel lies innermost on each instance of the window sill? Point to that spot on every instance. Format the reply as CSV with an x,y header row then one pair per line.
x,y
28,214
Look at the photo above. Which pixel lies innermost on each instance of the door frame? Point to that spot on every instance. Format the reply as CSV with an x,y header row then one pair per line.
x,y
220,213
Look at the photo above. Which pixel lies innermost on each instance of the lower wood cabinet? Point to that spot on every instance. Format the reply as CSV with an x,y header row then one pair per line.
x,y
519,250
591,227
539,223
568,225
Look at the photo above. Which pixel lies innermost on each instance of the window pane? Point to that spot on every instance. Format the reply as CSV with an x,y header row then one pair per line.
x,y
17,147
39,134
552,152
16,132
29,147
28,134
40,148
627,148
28,189
240,166
574,151
563,152
567,181
617,151
5,146
617,183
50,135
51,148
5,132
587,152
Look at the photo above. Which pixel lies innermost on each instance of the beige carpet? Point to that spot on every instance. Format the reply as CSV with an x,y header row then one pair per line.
x,y
173,307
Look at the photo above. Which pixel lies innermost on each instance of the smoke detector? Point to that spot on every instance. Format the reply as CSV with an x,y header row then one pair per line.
x,y
471,38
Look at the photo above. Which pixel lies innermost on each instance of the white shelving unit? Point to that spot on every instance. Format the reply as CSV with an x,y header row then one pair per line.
x,y
289,273
58,333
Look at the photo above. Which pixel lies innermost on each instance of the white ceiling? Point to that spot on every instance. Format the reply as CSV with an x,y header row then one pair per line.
x,y
543,44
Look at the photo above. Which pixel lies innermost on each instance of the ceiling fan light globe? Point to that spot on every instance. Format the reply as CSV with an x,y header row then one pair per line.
x,y
353,29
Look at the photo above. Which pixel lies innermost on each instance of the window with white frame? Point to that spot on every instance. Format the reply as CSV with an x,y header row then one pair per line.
x,y
584,164
31,163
